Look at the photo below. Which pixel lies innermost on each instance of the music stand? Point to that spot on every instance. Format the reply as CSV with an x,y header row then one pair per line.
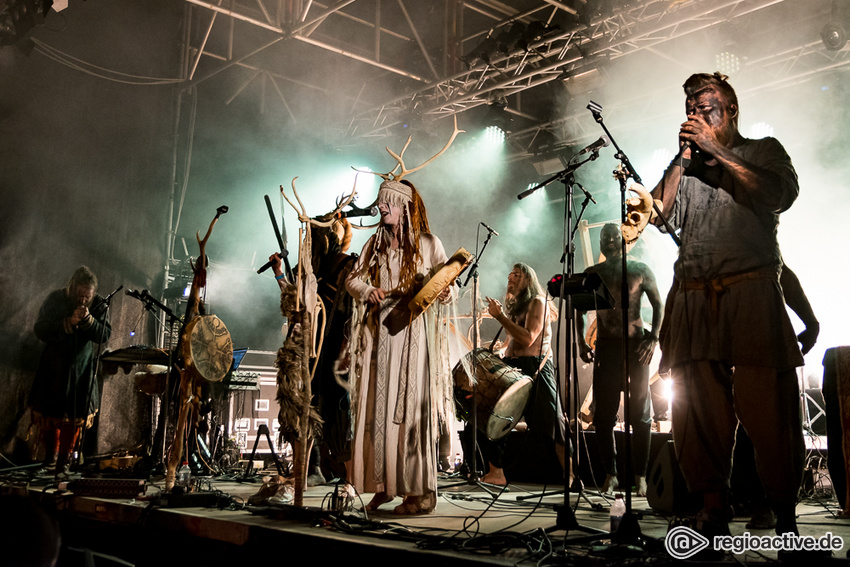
x,y
587,292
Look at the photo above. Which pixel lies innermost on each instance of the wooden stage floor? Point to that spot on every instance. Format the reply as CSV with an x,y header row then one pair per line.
x,y
469,527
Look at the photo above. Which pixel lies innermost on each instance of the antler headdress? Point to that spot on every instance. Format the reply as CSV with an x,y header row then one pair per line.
x,y
392,190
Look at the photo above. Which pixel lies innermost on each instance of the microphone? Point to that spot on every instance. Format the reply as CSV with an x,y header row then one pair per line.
x,y
370,212
134,294
493,232
282,254
596,146
355,212
108,297
684,146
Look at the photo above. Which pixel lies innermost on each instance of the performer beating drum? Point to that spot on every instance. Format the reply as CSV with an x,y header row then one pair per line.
x,y
527,323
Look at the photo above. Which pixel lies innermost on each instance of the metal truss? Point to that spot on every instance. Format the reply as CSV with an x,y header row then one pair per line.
x,y
561,53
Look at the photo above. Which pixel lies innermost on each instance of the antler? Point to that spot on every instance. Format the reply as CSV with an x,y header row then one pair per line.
x,y
305,218
202,243
392,176
404,170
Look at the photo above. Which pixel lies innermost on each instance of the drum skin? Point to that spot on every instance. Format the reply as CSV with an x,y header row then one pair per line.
x,y
207,348
502,391
442,279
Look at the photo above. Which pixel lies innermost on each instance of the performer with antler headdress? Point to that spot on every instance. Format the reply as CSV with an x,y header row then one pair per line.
x,y
400,372
331,264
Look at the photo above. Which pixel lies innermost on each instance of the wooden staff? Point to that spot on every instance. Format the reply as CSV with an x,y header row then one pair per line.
x,y
188,394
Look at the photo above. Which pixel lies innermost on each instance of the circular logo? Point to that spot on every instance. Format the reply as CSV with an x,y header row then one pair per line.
x,y
682,542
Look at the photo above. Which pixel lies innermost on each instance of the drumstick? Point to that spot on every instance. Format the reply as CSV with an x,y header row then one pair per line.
x,y
495,339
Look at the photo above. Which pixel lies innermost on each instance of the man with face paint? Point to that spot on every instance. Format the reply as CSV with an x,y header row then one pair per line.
x,y
65,395
608,357
400,374
726,335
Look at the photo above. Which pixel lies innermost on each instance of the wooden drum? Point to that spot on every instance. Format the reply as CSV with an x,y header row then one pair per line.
x,y
502,390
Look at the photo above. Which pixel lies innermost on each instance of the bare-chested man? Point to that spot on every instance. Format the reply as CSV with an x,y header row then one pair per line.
x,y
526,318
608,357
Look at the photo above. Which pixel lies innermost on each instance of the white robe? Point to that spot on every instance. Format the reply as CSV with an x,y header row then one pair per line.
x,y
400,384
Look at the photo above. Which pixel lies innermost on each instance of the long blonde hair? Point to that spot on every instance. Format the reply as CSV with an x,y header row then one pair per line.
x,y
518,305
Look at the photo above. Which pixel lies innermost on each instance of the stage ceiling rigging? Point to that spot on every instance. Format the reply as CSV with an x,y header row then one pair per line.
x,y
392,63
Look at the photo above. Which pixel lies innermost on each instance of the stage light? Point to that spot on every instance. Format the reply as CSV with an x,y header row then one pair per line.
x,y
548,164
834,33
497,117
761,130
549,154
834,36
494,135
535,31
484,51
507,41
727,63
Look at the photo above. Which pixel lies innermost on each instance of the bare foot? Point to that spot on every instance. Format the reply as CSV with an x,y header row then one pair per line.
x,y
495,477
377,500
412,505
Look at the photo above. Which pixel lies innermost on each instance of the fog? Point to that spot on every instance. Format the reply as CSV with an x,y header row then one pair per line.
x,y
238,139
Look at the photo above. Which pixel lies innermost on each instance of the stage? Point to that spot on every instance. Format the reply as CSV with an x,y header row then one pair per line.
x,y
470,526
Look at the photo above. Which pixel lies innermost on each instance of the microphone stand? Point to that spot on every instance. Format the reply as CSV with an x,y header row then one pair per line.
x,y
566,519
476,341
629,528
568,268
158,448
102,306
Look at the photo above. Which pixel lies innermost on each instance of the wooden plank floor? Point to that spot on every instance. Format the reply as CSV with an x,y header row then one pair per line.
x,y
470,526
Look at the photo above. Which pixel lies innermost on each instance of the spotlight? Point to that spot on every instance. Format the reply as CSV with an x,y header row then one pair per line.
x,y
834,33
497,115
535,31
834,36
727,63
548,153
761,130
484,51
494,135
506,41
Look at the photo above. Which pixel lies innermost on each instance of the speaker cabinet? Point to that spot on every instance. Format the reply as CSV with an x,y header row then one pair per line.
x,y
667,491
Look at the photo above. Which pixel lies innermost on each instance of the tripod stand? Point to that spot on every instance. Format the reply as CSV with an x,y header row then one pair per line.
x,y
471,466
629,529
566,520
102,307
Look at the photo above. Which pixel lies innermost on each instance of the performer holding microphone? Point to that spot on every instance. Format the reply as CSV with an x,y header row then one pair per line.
x,y
726,334
65,395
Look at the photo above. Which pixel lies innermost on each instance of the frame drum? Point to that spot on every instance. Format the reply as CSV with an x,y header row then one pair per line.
x,y
207,348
